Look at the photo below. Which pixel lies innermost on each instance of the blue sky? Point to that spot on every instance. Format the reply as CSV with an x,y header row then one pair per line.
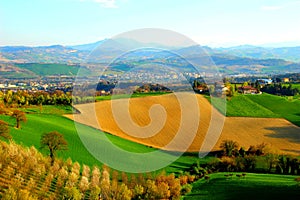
x,y
208,22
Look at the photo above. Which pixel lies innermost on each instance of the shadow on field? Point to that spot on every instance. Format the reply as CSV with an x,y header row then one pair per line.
x,y
290,133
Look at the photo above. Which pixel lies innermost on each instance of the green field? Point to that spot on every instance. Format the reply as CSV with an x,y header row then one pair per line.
x,y
37,124
49,109
15,75
243,106
53,69
252,186
263,105
282,106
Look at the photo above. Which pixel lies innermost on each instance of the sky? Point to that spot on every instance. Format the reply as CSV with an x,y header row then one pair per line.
x,y
216,23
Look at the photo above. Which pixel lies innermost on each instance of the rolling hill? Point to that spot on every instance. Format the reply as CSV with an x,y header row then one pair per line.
x,y
278,132
233,60
42,54
286,53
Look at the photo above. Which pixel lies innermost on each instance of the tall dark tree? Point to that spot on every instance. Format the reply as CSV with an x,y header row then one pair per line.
x,y
55,141
20,117
228,147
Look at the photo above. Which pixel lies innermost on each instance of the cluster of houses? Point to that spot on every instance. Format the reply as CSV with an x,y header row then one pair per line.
x,y
248,90
252,90
36,86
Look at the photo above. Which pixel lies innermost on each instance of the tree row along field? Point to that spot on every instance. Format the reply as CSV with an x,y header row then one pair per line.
x,y
27,174
279,133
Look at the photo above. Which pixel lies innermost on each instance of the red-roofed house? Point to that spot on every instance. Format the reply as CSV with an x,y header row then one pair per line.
x,y
247,90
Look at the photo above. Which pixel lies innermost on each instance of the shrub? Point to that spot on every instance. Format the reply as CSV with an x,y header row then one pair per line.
x,y
185,189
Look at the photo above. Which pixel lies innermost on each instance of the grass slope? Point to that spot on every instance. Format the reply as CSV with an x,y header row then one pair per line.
x,y
37,124
253,186
263,106
243,106
282,106
47,69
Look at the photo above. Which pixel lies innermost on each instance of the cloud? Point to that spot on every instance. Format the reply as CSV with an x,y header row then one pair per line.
x,y
271,8
280,7
103,3
107,3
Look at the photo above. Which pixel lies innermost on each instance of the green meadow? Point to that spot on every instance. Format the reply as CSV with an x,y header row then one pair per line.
x,y
49,119
252,186
47,69
262,105
284,107
244,106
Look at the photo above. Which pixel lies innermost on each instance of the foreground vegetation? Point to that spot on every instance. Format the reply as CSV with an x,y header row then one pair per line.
x,y
27,174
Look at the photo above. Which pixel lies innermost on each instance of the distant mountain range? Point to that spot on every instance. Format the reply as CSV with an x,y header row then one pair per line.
x,y
286,53
232,60
42,54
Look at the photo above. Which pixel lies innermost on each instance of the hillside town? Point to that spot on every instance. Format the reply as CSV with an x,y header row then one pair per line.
x,y
106,82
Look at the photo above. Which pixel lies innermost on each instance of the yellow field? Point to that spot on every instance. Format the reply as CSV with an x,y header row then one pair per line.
x,y
278,133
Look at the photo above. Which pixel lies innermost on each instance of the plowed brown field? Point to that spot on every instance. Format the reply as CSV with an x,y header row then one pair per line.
x,y
279,133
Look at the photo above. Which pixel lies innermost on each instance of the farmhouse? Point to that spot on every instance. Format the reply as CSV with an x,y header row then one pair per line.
x,y
247,90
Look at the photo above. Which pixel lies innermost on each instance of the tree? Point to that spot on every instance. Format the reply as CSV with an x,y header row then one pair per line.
x,y
245,84
20,117
4,130
55,142
228,147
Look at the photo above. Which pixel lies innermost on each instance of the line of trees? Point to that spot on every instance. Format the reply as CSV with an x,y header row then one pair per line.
x,y
26,98
28,174
280,89
259,158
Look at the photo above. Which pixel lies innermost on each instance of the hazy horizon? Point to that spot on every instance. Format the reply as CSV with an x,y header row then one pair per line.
x,y
214,23
269,45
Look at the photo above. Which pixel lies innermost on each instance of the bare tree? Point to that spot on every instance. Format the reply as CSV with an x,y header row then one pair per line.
x,y
55,142
19,116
